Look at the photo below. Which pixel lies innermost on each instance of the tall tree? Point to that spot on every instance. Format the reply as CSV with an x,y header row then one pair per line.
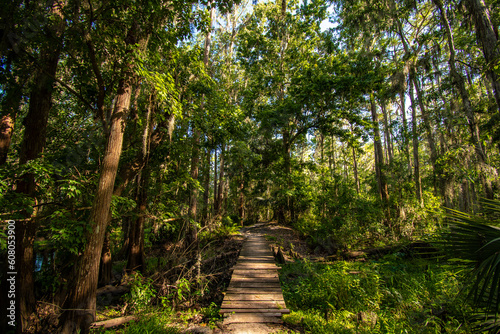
x,y
31,148
81,302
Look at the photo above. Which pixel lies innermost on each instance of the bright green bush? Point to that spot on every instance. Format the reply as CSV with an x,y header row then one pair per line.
x,y
156,324
392,295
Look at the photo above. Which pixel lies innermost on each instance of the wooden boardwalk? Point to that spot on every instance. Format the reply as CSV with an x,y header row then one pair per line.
x,y
254,294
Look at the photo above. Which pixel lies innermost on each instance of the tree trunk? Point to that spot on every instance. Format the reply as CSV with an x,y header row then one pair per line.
x,y
206,186
471,118
427,125
10,107
135,259
416,159
489,42
80,304
220,190
216,196
32,146
355,165
387,132
379,155
106,265
406,146
241,197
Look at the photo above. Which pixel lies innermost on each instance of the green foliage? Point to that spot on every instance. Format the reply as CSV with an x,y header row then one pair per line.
x,y
392,295
475,240
155,324
141,293
211,314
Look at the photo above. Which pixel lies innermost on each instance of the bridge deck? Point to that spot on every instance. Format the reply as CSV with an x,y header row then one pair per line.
x,y
254,294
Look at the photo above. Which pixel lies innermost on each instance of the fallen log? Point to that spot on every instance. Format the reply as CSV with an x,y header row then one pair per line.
x,y
113,322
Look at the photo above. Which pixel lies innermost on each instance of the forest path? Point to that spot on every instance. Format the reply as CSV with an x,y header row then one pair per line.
x,y
254,297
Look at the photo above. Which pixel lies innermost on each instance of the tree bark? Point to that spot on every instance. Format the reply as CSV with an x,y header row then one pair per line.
x,y
206,186
241,196
220,190
489,42
415,141
10,108
379,154
459,82
427,125
80,304
105,268
355,165
387,132
135,259
405,131
214,211
32,147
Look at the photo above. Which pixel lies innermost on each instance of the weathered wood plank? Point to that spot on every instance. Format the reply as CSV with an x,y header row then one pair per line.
x,y
253,296
255,318
255,285
254,279
253,304
255,310
233,291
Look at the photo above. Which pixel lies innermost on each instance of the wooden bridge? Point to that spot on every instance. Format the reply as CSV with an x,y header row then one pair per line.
x,y
254,294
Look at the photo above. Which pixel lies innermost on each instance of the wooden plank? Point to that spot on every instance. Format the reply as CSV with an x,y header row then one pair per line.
x,y
253,290
256,275
255,310
255,280
254,296
255,318
254,271
255,265
253,304
254,285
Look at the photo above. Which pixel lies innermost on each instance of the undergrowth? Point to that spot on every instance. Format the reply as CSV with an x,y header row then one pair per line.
x,y
392,295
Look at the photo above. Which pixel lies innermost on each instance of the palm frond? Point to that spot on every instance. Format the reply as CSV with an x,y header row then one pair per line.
x,y
476,239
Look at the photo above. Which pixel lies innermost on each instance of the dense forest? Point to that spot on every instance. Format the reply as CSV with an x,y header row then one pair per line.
x,y
137,137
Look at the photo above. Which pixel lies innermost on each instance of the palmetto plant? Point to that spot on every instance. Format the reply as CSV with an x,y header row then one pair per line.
x,y
476,240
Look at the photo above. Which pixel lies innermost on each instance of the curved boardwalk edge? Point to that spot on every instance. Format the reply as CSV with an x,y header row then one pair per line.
x,y
254,294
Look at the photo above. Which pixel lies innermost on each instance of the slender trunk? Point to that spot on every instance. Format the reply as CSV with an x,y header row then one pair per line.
x,y
427,125
387,132
195,159
241,198
106,265
406,146
355,165
416,160
216,196
379,155
126,226
220,191
135,259
489,42
206,186
80,304
469,112
288,171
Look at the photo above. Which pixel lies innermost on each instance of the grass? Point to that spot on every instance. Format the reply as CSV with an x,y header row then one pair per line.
x,y
392,295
